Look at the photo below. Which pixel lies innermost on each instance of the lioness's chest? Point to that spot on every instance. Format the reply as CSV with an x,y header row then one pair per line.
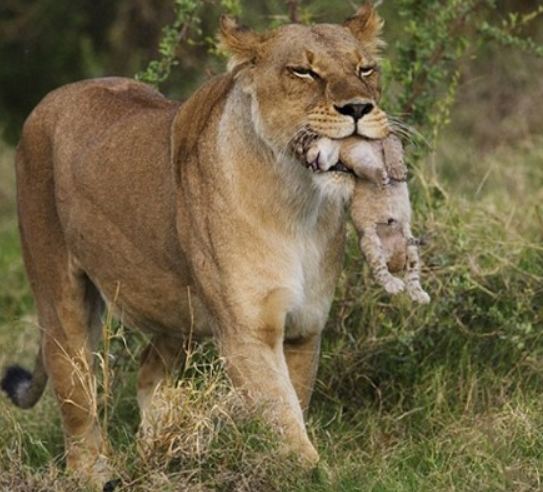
x,y
316,263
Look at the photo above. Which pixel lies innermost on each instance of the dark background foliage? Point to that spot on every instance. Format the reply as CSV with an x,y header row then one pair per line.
x,y
47,43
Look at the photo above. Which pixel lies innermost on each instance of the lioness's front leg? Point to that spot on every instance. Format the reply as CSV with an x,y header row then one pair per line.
x,y
256,363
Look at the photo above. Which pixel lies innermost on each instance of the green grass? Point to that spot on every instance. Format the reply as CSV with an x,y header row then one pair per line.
x,y
443,397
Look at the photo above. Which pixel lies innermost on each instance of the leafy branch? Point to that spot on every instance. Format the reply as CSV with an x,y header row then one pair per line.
x,y
427,61
294,11
504,34
186,20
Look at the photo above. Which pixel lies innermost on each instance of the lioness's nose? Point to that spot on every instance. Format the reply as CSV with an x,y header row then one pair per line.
x,y
357,111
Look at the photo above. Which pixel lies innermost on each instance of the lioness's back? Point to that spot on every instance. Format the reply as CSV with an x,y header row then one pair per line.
x,y
98,103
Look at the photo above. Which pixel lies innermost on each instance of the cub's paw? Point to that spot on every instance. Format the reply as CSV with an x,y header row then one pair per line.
x,y
417,294
323,154
393,285
379,176
385,180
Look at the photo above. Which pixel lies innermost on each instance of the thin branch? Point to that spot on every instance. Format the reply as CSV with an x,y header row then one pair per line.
x,y
419,84
294,11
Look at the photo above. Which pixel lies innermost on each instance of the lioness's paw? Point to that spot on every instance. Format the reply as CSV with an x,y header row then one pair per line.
x,y
393,285
94,471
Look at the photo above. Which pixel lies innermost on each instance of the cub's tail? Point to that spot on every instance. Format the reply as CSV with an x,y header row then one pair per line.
x,y
22,387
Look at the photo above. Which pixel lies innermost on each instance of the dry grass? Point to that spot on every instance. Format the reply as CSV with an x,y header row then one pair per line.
x,y
443,397
205,439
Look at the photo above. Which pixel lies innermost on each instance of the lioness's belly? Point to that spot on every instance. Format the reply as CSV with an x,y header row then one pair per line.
x,y
116,201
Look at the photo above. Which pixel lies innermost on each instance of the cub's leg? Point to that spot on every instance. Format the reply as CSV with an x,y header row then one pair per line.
x,y
158,361
255,361
365,159
302,357
412,276
370,244
68,305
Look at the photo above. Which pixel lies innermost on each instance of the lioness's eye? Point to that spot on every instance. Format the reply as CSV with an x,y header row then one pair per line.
x,y
366,71
304,73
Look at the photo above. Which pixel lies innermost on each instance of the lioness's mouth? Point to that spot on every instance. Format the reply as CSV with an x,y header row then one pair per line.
x,y
318,163
339,167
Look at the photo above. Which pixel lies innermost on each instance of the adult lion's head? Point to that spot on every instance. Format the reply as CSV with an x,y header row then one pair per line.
x,y
321,79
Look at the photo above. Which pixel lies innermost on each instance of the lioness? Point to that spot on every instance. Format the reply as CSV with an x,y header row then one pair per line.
x,y
194,218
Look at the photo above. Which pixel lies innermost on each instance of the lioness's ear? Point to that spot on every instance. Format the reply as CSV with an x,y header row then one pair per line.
x,y
366,26
239,41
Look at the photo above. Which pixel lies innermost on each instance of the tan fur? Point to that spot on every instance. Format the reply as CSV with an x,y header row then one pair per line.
x,y
194,219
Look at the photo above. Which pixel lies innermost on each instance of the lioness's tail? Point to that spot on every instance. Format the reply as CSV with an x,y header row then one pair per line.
x,y
23,388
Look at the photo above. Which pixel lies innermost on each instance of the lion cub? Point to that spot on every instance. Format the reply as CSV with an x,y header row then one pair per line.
x,y
380,208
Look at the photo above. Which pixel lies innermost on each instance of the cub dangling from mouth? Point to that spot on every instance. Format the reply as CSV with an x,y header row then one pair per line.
x,y
380,207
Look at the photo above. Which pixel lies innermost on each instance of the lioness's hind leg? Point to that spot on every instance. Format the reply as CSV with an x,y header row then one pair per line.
x,y
67,314
69,342
159,360
68,304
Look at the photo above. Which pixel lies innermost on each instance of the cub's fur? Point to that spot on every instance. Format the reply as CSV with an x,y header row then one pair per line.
x,y
380,207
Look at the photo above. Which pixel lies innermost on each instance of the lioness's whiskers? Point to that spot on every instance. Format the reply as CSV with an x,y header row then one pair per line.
x,y
406,131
